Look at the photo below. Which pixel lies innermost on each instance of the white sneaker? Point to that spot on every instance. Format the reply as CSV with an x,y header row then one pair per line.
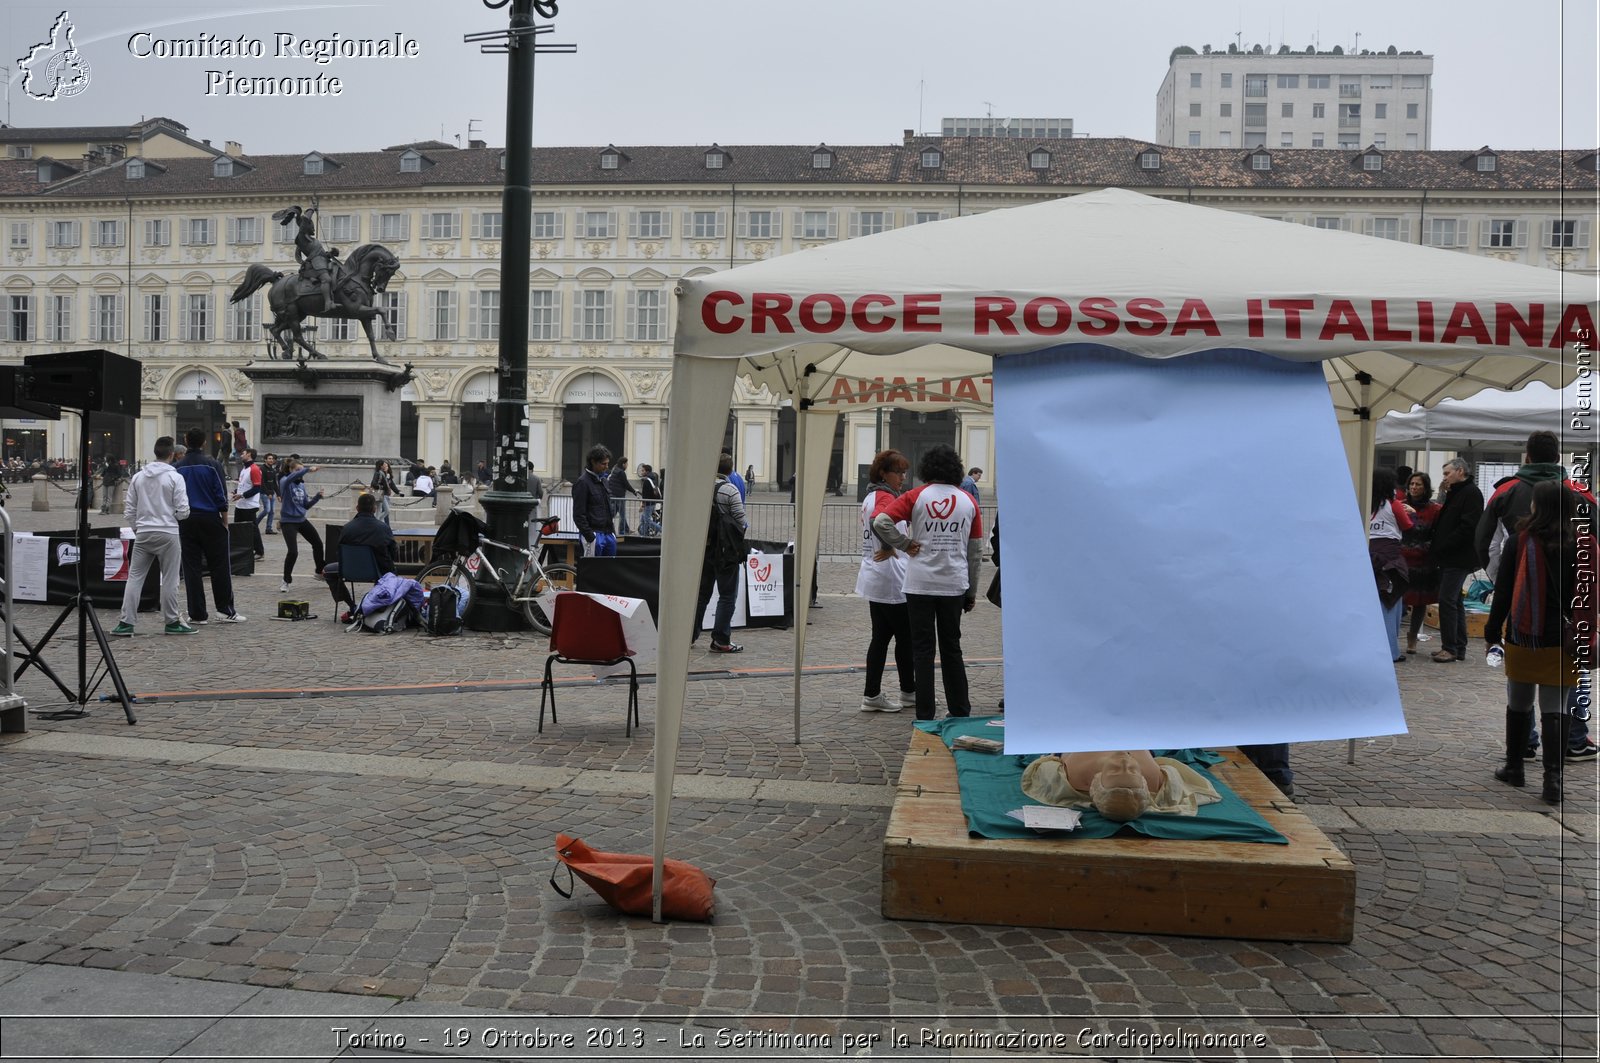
x,y
232,618
878,703
286,587
908,699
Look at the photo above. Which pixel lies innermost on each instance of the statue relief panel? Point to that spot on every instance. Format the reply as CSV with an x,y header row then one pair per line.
x,y
150,378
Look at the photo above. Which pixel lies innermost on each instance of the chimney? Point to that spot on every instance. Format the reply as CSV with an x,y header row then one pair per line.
x,y
234,149
911,135
477,143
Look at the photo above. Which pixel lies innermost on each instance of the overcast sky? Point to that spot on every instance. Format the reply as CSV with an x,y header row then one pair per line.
x,y
1508,74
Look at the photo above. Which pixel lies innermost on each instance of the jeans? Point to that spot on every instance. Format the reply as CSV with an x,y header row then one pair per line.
x,y
203,534
935,621
269,509
165,548
889,622
1452,617
1391,624
726,581
649,523
619,515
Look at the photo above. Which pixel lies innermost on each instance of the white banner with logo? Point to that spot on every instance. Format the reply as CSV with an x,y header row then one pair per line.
x,y
119,552
30,560
763,584
638,631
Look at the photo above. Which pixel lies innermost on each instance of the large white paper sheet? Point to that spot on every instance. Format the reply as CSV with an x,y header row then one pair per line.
x,y
30,558
638,631
1185,564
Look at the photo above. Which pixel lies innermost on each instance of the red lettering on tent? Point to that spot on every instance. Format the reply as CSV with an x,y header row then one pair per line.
x,y
1342,320
922,313
1195,316
993,312
1425,322
870,390
1291,314
842,390
966,389
863,304
773,307
1465,320
808,313
1255,327
900,392
1577,326
1033,319
1380,324
1147,310
1530,330
708,313
1101,311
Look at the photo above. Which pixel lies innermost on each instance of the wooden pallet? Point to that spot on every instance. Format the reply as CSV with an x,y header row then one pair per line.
x,y
1303,891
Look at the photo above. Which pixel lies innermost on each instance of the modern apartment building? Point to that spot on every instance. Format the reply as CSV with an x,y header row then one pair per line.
x,y
1258,99
1013,128
139,255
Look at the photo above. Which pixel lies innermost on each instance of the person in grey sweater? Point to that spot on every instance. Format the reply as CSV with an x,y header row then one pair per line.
x,y
157,500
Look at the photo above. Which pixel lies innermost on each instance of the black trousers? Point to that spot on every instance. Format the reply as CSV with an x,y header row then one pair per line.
x,y
889,622
297,529
936,623
203,535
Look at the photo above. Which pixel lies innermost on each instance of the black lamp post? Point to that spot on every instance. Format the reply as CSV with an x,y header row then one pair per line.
x,y
507,503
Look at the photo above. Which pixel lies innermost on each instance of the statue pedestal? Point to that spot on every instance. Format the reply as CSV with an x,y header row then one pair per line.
x,y
329,412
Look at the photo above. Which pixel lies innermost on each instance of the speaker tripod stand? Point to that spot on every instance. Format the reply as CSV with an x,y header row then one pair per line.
x,y
88,621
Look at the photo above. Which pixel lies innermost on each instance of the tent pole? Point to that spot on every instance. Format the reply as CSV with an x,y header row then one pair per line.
x,y
1368,439
802,571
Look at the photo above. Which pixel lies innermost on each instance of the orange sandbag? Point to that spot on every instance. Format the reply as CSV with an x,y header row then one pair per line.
x,y
623,881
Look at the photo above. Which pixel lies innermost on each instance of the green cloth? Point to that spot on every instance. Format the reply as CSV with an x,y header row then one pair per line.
x,y
991,786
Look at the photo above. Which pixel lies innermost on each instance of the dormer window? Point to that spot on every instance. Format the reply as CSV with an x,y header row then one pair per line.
x,y
1038,159
1260,160
1488,163
716,159
135,169
411,161
1149,160
1372,161
932,159
610,159
222,166
821,158
312,165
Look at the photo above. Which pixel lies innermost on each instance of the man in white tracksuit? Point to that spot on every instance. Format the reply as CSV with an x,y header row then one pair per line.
x,y
157,500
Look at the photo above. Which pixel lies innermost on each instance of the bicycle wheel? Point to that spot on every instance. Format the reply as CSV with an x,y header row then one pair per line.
x,y
535,600
448,574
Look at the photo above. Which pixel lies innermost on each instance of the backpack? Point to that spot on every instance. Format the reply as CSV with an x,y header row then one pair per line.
x,y
724,537
443,615
396,616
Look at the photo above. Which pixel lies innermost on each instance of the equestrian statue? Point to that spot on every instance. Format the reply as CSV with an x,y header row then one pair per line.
x,y
324,287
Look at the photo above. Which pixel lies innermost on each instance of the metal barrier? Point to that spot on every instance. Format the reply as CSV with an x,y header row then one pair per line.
x,y
13,709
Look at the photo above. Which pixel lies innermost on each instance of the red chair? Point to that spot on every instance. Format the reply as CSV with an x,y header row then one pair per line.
x,y
585,632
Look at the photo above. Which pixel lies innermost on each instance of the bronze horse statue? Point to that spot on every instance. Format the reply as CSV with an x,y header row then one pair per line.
x,y
361,277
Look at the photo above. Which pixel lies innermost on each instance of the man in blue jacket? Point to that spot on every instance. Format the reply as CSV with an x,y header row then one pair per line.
x,y
204,532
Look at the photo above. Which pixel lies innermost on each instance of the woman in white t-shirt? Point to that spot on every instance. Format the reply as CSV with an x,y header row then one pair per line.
x,y
881,582
943,543
1388,518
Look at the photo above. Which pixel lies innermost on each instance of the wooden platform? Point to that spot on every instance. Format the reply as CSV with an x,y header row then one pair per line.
x,y
1304,891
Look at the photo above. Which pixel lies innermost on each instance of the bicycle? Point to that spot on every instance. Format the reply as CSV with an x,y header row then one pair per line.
x,y
533,590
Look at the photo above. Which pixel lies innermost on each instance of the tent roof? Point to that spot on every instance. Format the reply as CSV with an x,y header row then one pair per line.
x,y
1499,417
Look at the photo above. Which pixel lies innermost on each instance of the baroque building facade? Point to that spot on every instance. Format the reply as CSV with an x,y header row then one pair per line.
x,y
140,254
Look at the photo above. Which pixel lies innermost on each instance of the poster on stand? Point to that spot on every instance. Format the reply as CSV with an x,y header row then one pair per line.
x,y
763,584
30,559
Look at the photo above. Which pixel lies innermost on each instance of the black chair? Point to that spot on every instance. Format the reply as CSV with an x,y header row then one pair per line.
x,y
358,563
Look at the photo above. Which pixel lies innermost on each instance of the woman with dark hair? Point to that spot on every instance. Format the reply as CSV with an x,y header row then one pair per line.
x,y
1414,548
1388,520
881,582
1544,603
383,486
943,544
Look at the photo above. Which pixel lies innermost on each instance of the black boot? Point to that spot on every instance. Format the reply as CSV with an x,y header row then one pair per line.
x,y
1555,752
1517,724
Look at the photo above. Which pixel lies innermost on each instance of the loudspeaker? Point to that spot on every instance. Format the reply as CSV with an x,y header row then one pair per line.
x,y
94,381
14,405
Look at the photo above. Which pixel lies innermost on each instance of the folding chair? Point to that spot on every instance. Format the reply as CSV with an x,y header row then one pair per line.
x,y
585,632
358,563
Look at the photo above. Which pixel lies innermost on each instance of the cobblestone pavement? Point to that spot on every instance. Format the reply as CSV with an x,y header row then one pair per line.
x,y
385,857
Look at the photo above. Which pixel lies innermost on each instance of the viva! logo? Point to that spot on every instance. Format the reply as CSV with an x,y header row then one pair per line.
x,y
939,511
758,572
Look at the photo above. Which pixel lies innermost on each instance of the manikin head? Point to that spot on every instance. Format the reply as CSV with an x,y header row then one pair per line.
x,y
1119,790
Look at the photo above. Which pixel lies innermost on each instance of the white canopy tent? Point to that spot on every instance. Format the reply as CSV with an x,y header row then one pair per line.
x,y
1395,325
1498,417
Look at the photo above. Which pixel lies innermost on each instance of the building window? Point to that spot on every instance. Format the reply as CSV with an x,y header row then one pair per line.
x,y
1487,163
816,225
597,224
594,320
1411,141
870,222
923,217
1255,84
1413,110
19,322
443,225
1225,110
706,225
198,231
1372,162
1413,81
483,315
244,230
932,159
343,228
1194,80
1564,233
410,162
1225,138
21,235
336,329
1319,110
1327,221
311,166
222,167
1380,140
547,225
1317,140
822,160
392,305
1288,81
761,225
1501,232
155,318
1380,81
1349,114
487,225
1149,160
1286,111
645,322
1255,114
1352,140
394,226
58,318
105,319
610,160
135,169
1380,110
1443,232
716,160
1227,81
196,318
1194,138
1039,159
441,315
1255,140
1386,228
108,233
1317,81
244,321
62,234
1350,89
544,315
1260,161
1285,140
1194,110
